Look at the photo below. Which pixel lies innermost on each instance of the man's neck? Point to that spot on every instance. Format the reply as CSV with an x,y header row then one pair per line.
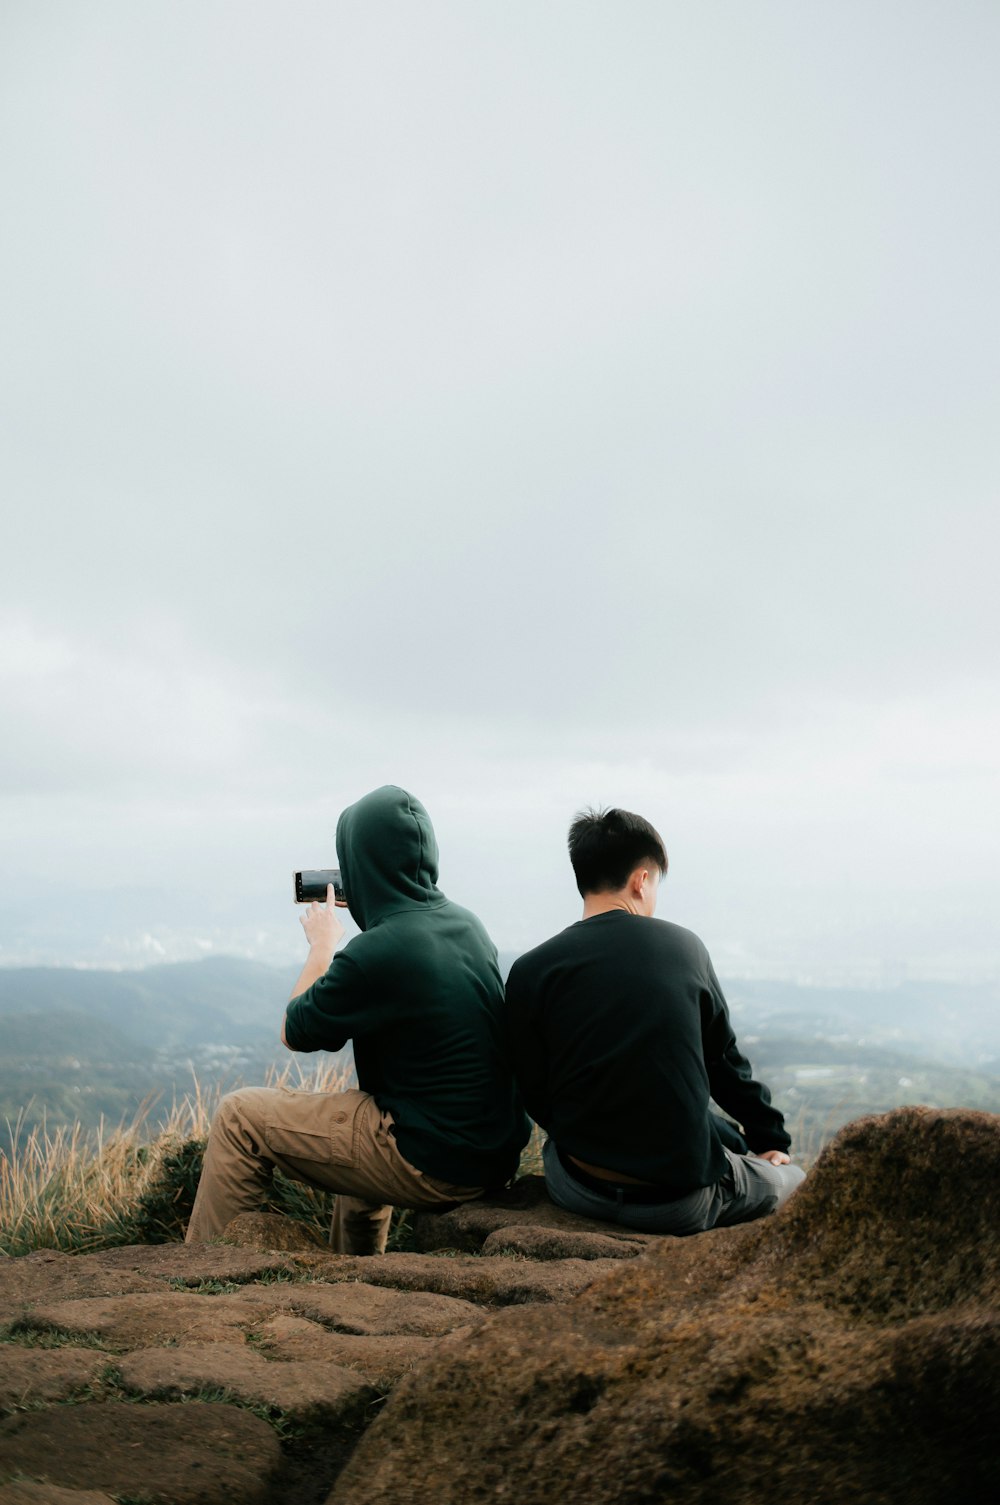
x,y
595,904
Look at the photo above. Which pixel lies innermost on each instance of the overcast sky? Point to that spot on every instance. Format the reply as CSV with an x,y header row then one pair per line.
x,y
532,404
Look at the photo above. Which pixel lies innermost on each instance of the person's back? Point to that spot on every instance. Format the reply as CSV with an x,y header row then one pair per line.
x,y
620,1037
432,1051
420,994
436,1118
627,1015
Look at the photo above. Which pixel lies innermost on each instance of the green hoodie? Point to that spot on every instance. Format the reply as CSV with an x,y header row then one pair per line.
x,y
420,994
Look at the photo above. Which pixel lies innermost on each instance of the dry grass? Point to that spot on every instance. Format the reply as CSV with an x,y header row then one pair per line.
x,y
811,1134
74,1191
531,1155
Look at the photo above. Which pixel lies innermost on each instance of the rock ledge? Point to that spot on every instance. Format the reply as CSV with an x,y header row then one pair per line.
x,y
847,1349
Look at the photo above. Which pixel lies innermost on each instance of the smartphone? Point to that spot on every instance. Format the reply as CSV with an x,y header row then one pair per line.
x,y
311,885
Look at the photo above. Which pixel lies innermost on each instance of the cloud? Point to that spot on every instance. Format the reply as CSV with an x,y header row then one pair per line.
x,y
530,413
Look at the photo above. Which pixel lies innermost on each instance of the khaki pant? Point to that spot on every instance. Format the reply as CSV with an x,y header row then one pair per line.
x,y
340,1141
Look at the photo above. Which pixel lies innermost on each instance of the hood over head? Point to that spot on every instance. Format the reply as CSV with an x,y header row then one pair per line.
x,y
388,855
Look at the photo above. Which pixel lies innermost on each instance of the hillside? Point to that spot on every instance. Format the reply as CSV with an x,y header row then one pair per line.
x,y
78,1045
957,1023
175,1006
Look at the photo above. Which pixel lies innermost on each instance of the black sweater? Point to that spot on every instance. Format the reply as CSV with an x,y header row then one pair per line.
x,y
620,1035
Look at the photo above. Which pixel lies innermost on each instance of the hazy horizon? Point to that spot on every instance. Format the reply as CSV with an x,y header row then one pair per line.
x,y
288,951
534,406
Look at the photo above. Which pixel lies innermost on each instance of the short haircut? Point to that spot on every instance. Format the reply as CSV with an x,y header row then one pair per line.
x,y
605,846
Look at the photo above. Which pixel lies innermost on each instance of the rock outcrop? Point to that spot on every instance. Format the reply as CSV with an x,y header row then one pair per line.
x,y
846,1350
240,1372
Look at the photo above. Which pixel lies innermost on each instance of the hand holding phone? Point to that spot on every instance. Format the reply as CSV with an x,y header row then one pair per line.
x,y
322,926
311,886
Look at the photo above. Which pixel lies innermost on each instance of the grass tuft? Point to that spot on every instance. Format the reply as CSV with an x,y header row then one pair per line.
x,y
287,1430
74,1191
206,1287
27,1333
284,1278
531,1156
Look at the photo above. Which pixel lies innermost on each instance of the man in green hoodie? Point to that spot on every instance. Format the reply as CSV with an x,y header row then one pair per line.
x,y
436,1118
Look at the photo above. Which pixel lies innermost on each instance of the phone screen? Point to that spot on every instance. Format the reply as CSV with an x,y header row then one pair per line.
x,y
311,884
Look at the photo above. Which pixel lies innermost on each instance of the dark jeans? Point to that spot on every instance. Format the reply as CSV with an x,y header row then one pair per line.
x,y
750,1188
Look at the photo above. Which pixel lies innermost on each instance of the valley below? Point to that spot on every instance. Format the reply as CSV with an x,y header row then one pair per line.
x,y
87,1047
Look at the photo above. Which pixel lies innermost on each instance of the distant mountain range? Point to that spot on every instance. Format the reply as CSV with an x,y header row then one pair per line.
x,y
221,1000
231,1001
957,1022
76,1044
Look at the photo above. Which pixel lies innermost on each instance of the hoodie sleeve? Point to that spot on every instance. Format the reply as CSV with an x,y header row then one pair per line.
x,y
329,1013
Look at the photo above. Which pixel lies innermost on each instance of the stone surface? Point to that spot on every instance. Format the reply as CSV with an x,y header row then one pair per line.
x,y
315,1338
62,1277
51,1276
195,1263
119,1322
49,1494
381,1360
266,1231
847,1349
491,1281
306,1390
354,1307
174,1455
525,1204
30,1375
535,1242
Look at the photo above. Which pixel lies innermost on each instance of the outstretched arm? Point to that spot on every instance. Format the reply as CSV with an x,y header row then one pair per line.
x,y
323,932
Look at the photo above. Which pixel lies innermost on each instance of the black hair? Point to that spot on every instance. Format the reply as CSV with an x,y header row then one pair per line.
x,y
605,846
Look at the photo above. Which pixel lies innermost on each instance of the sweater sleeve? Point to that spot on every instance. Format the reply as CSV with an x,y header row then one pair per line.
x,y
730,1075
526,1049
337,1008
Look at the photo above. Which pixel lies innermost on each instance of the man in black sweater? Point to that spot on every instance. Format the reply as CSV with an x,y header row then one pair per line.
x,y
620,1036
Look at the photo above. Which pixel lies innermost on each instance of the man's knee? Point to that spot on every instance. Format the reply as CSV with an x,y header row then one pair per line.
x,y
242,1109
783,1179
792,1178
230,1109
